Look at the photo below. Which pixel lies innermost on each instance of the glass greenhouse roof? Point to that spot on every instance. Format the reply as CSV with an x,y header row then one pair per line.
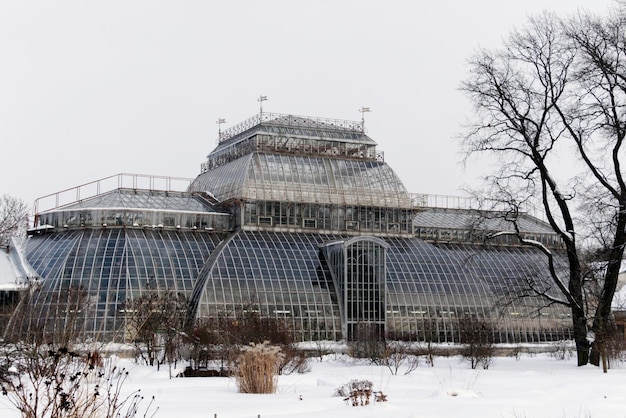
x,y
282,177
283,273
113,266
287,158
131,199
295,125
463,219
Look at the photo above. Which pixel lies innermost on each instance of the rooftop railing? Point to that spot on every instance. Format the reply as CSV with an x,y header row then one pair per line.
x,y
290,120
465,202
443,201
181,184
107,184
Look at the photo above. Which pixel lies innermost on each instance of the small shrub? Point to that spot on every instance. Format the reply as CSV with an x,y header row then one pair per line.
x,y
614,348
358,393
293,360
517,352
477,337
457,381
380,396
367,342
400,355
429,353
430,334
562,350
371,350
258,368
323,348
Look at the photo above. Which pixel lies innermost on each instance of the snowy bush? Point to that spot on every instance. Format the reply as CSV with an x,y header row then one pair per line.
x,y
358,393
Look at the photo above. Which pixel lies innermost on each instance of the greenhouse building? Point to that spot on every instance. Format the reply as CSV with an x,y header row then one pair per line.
x,y
298,218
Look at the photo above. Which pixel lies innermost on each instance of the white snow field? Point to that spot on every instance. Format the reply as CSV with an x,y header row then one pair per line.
x,y
535,386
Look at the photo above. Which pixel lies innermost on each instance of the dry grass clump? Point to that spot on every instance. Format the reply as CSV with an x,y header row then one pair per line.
x,y
258,368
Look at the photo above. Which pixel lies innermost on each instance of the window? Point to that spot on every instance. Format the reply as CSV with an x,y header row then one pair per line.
x,y
264,220
352,225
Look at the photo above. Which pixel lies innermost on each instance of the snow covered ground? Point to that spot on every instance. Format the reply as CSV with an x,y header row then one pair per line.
x,y
534,386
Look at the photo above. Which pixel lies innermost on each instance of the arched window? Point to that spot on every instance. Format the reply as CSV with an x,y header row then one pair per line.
x,y
359,271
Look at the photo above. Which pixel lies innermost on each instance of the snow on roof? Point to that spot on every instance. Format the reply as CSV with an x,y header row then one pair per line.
x,y
15,272
9,278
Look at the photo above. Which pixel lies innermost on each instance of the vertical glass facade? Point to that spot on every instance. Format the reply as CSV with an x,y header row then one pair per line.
x,y
358,270
330,286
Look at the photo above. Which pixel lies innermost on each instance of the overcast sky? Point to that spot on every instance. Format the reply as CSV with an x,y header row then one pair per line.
x,y
90,89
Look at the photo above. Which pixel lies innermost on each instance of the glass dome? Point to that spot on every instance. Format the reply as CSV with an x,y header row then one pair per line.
x,y
300,159
294,178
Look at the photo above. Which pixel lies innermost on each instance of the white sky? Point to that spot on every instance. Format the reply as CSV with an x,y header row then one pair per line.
x,y
91,89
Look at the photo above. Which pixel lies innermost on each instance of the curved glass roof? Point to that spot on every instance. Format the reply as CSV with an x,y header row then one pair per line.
x,y
112,265
282,274
283,177
468,219
289,158
279,274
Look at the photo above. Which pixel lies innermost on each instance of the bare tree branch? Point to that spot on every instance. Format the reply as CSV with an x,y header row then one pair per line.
x,y
13,217
556,91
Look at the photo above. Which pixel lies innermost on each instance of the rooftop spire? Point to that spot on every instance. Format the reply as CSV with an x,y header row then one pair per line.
x,y
261,99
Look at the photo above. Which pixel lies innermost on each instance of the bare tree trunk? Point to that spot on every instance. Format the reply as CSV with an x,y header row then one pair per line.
x,y
577,306
580,335
602,319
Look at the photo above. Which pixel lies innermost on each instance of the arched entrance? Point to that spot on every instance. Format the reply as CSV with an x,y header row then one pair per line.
x,y
358,269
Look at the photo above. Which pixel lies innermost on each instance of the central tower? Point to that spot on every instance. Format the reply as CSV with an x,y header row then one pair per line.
x,y
299,174
285,174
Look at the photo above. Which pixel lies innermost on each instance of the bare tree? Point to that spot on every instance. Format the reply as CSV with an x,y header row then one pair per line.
x,y
155,323
13,217
400,355
477,337
430,333
554,94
